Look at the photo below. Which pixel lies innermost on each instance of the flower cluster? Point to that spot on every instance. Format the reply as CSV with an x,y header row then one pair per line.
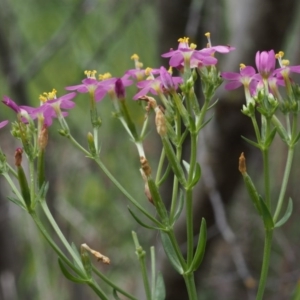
x,y
154,81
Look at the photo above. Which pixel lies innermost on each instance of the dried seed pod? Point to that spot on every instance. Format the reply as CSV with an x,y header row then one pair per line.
x,y
160,122
145,166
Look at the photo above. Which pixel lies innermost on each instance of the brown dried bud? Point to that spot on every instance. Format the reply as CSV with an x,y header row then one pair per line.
x,y
242,164
145,166
18,157
97,254
160,122
148,193
43,137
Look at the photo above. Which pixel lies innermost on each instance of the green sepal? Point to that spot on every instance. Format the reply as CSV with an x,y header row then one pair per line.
x,y
17,202
116,297
251,142
266,215
140,222
252,192
179,207
173,161
199,254
68,275
170,252
160,289
286,215
270,138
86,262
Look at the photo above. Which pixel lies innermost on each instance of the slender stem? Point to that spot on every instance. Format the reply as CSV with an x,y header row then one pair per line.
x,y
265,266
286,175
256,128
32,182
95,130
124,191
115,287
76,144
60,234
153,272
160,166
176,248
14,188
267,177
96,288
189,280
189,226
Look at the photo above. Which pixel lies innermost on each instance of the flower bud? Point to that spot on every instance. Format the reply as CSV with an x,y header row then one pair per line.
x,y
120,89
242,164
145,166
91,144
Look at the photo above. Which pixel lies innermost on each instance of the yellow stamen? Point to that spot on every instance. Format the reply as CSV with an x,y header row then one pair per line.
x,y
193,46
104,76
207,34
148,71
139,65
285,62
184,40
242,66
134,57
170,70
280,54
90,74
48,96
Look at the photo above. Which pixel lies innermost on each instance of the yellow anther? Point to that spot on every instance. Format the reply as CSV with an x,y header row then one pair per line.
x,y
134,57
242,66
170,70
90,74
184,40
207,34
148,71
43,98
139,65
193,46
280,54
285,62
104,76
48,96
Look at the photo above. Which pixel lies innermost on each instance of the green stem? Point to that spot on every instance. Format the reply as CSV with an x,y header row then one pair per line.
x,y
160,166
285,180
115,287
14,188
265,266
124,191
189,280
189,226
153,272
267,177
60,234
176,248
96,288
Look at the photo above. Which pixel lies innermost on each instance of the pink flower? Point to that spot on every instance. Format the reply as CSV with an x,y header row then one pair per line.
x,y
265,63
3,123
245,78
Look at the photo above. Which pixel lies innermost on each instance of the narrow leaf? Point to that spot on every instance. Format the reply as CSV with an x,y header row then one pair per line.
x,y
68,275
266,215
200,126
140,222
212,105
115,295
199,254
287,214
179,207
251,142
17,202
295,141
196,177
270,137
170,252
160,291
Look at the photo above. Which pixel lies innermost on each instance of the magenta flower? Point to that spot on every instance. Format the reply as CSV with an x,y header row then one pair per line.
x,y
3,123
169,82
245,78
265,63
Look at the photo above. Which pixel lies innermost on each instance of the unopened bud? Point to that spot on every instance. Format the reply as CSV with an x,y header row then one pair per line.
x,y
91,144
120,89
160,122
43,138
147,190
242,164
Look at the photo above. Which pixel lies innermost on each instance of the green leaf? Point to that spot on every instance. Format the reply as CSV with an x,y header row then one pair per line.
x,y
164,177
78,255
266,215
160,290
270,138
17,202
68,275
186,165
115,295
170,252
200,126
287,214
199,254
196,176
212,105
296,139
251,142
140,222
179,207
